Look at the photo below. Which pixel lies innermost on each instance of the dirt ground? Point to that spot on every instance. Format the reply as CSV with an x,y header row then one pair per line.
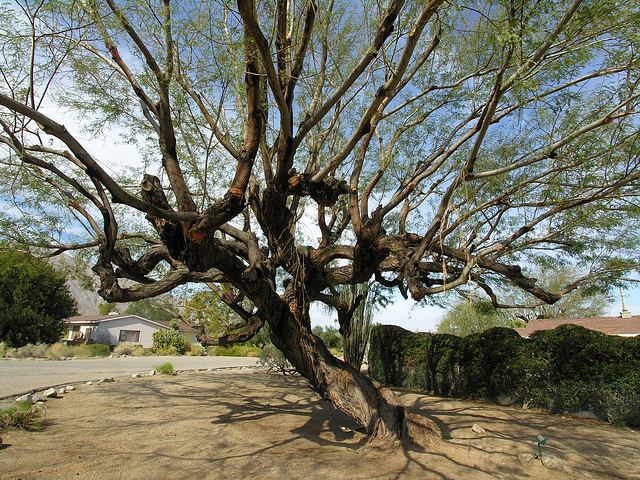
x,y
246,423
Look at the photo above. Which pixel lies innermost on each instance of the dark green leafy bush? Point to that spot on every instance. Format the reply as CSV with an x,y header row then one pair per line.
x,y
571,368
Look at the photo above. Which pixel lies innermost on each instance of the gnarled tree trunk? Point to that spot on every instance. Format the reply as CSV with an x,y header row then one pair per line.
x,y
376,408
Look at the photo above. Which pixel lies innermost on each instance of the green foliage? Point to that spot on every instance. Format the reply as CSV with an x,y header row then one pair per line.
x,y
206,308
164,341
95,350
22,415
105,308
330,336
197,350
570,368
166,368
465,318
237,350
34,300
145,309
261,338
585,301
355,345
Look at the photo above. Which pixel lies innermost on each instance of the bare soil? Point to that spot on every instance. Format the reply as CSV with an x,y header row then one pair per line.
x,y
246,423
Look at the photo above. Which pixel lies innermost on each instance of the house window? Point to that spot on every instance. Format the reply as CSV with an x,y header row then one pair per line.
x,y
131,336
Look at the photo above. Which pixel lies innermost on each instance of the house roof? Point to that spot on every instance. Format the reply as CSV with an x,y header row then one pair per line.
x,y
627,327
96,319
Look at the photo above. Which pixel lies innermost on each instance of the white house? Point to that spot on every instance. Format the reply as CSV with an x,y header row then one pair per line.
x,y
115,329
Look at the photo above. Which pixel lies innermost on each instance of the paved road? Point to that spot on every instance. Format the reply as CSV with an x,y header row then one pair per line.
x,y
20,376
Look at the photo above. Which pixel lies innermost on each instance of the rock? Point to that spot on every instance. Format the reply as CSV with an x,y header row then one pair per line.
x,y
110,356
152,373
39,398
107,380
50,393
551,461
135,375
89,383
478,429
25,398
526,457
62,391
69,388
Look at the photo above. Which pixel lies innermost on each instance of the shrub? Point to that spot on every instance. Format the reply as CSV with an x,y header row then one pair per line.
x,y
22,415
95,350
139,351
197,350
39,350
569,369
236,351
165,351
124,348
59,350
274,360
163,339
166,368
3,349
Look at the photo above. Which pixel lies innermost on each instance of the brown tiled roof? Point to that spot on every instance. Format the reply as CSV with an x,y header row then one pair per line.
x,y
609,325
182,326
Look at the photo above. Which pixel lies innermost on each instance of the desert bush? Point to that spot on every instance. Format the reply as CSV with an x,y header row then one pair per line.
x,y
22,415
124,348
163,339
273,360
165,351
3,349
59,350
139,351
39,350
95,350
236,351
166,368
197,350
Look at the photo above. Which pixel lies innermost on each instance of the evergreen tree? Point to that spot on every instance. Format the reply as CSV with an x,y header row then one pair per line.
x,y
34,300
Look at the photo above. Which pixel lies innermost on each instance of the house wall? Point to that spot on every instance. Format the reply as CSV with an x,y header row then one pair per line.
x,y
108,331
191,336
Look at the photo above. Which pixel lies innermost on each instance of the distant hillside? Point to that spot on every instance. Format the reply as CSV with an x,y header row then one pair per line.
x,y
80,274
87,300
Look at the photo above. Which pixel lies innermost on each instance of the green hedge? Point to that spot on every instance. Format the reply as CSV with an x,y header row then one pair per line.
x,y
570,368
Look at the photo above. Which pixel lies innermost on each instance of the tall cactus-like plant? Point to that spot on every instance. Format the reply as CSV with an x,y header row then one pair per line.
x,y
355,345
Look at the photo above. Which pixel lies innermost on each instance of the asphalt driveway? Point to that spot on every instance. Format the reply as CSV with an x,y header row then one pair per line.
x,y
18,376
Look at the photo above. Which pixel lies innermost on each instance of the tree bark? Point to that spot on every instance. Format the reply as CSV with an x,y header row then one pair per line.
x,y
376,408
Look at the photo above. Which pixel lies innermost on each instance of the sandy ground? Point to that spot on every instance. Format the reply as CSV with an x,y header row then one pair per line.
x,y
246,423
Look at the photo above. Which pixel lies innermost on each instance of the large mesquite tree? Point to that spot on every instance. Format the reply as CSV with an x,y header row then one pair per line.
x,y
431,144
